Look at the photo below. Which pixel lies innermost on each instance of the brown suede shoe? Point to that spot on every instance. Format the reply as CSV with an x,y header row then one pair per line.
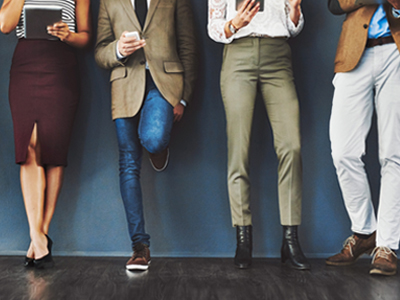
x,y
140,259
353,248
384,262
159,161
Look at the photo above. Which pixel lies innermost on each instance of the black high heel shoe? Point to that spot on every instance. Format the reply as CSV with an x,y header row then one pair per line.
x,y
28,262
291,250
46,261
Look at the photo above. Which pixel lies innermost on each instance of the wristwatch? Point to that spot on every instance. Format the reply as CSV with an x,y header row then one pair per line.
x,y
396,13
232,28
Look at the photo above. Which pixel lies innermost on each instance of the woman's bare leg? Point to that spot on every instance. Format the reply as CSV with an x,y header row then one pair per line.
x,y
54,179
33,185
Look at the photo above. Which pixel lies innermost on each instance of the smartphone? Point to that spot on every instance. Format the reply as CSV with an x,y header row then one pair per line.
x,y
240,2
133,33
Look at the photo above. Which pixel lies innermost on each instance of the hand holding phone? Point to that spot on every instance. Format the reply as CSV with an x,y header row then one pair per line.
x,y
133,33
246,12
239,3
127,45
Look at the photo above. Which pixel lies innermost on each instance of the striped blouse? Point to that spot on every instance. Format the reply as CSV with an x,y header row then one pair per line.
x,y
68,13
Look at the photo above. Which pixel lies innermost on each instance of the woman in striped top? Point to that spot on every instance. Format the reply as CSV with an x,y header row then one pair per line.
x,y
43,95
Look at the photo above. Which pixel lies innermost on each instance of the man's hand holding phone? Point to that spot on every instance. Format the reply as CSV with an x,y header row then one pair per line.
x,y
129,42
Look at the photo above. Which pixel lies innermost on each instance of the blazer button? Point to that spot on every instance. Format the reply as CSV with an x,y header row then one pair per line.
x,y
365,26
142,62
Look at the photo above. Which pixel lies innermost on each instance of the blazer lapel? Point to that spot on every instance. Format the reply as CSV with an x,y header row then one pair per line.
x,y
150,13
128,7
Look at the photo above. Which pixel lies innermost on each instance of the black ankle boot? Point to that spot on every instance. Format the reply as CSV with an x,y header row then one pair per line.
x,y
244,246
291,249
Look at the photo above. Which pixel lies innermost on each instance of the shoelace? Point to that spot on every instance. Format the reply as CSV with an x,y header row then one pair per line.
x,y
383,252
348,243
139,252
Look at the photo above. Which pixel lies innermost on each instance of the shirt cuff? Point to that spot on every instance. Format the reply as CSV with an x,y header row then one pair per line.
x,y
396,13
293,29
183,102
119,55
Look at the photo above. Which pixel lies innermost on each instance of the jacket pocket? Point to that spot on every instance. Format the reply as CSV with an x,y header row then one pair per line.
x,y
173,67
165,4
118,73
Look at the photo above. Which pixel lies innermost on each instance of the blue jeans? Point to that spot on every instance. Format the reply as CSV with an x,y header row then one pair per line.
x,y
150,128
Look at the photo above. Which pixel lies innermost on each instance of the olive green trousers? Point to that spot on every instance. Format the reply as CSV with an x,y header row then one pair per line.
x,y
249,63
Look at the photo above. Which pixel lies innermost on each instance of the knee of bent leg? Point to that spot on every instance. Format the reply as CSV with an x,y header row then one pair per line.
x,y
155,143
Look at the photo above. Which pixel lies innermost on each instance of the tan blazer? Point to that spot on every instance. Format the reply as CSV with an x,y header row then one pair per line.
x,y
355,31
170,52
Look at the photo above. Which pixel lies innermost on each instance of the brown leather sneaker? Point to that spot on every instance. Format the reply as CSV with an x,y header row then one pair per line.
x,y
384,262
353,248
159,161
140,259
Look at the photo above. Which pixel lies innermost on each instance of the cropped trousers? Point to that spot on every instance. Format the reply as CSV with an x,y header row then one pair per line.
x,y
265,63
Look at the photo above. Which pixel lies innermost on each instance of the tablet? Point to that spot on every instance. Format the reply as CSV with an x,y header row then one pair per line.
x,y
239,3
369,2
37,18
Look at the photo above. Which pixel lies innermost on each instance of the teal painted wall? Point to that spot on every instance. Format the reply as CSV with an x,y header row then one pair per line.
x,y
186,207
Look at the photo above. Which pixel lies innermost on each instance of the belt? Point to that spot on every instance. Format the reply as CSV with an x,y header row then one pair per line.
x,y
259,35
379,41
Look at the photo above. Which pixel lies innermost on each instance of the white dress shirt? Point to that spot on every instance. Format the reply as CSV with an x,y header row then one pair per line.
x,y
273,21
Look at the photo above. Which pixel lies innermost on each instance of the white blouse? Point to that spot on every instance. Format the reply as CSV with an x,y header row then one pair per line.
x,y
274,21
67,15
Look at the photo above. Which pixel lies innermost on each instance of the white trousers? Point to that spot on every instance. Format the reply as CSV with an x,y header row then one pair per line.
x,y
374,82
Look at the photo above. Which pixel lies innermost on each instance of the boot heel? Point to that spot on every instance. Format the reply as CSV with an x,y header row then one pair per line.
x,y
284,256
291,249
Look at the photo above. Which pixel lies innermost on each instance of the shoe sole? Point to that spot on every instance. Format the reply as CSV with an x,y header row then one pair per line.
x,y
343,264
381,272
242,266
137,267
340,264
164,167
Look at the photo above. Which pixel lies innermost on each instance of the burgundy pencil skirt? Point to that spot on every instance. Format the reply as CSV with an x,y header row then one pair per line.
x,y
44,89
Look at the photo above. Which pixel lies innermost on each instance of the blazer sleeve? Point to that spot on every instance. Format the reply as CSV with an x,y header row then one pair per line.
x,y
340,7
106,44
187,46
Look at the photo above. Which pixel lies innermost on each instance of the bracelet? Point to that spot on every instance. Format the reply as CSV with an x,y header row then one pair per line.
x,y
236,29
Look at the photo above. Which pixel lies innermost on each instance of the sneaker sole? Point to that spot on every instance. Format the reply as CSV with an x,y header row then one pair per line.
x,y
138,267
381,272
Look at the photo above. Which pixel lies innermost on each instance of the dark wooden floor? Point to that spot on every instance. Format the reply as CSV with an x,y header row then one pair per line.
x,y
88,278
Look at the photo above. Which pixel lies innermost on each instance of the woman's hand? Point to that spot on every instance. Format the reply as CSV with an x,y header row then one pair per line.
x,y
60,30
295,11
245,14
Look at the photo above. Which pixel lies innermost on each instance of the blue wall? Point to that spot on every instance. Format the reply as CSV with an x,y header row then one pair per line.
x,y
186,207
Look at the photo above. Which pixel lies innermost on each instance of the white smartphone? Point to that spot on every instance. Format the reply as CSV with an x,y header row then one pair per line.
x,y
133,33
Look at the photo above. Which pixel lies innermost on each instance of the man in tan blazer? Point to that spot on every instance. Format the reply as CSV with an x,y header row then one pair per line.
x,y
152,79
367,68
